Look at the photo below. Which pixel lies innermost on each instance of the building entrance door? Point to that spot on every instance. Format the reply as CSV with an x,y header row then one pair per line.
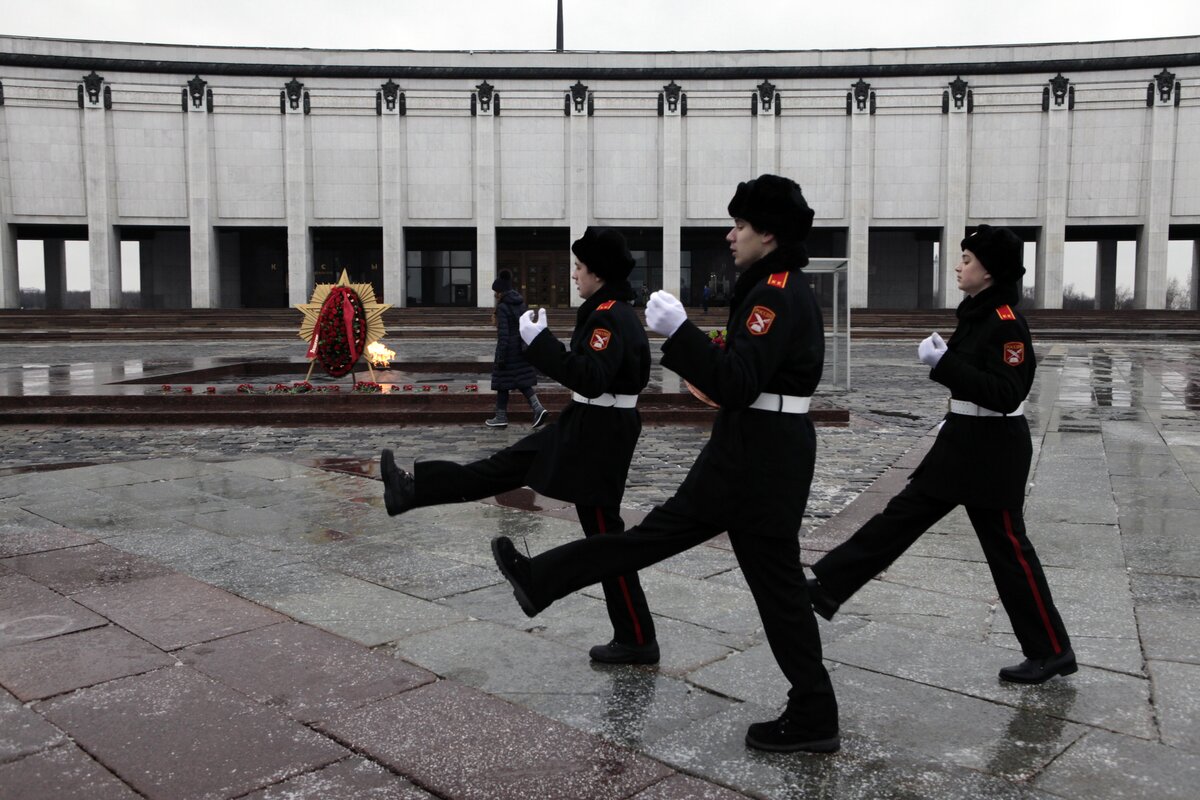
x,y
540,275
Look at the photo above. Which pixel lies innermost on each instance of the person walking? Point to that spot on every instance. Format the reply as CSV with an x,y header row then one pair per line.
x,y
510,369
584,456
979,460
753,476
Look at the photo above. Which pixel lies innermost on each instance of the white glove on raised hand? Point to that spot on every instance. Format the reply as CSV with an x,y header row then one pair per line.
x,y
530,328
931,350
664,313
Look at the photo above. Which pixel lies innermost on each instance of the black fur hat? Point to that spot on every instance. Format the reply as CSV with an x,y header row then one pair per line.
x,y
604,252
503,282
999,250
773,204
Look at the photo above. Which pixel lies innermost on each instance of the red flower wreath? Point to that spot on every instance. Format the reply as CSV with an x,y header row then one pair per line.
x,y
341,331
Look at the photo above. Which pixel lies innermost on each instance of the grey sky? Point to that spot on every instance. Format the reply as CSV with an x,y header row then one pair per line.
x,y
598,24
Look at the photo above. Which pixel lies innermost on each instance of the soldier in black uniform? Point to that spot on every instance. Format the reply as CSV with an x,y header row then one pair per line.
x,y
752,478
980,460
583,457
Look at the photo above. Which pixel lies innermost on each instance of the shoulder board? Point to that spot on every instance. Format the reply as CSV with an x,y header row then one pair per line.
x,y
1006,313
606,305
778,280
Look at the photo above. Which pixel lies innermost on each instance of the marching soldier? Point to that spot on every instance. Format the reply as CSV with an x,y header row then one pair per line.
x,y
584,456
752,478
980,460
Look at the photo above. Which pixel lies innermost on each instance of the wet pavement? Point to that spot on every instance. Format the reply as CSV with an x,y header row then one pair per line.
x,y
228,611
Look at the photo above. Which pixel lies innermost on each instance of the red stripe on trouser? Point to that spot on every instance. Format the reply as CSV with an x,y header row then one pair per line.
x,y
1037,596
637,627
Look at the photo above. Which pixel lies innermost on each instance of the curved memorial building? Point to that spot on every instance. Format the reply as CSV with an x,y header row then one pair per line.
x,y
247,174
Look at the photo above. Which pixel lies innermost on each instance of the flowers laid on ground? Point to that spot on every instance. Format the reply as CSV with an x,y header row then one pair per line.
x,y
210,390
305,387
408,387
166,387
718,337
245,388
443,387
367,387
471,387
186,390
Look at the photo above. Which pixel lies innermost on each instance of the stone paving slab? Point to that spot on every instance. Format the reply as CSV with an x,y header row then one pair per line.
x,y
303,672
62,773
173,611
174,734
74,569
22,731
29,611
355,778
1104,764
1177,703
23,532
461,743
44,668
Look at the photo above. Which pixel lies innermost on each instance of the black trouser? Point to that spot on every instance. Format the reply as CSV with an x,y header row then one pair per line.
x,y
439,482
770,565
1015,567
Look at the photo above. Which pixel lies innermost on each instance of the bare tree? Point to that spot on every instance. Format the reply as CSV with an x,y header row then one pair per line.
x,y
1179,296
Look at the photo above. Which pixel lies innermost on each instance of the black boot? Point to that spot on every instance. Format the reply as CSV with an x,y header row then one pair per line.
x,y
399,488
1040,670
616,653
515,568
822,602
786,735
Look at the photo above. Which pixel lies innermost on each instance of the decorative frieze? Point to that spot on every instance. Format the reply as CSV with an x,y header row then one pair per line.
x,y
672,99
862,96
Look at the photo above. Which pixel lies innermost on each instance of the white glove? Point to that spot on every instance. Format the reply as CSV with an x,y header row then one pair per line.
x,y
530,328
664,314
931,350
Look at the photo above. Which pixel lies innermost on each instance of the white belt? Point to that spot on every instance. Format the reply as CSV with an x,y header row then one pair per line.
x,y
785,403
970,409
607,400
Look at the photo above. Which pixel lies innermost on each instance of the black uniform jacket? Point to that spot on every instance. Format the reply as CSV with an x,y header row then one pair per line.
x,y
510,370
758,465
584,456
983,461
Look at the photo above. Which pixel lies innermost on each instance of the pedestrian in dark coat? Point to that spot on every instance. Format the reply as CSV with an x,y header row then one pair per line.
x,y
752,478
583,457
510,369
979,460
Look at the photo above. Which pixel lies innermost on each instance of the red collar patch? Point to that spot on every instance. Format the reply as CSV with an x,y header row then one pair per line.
x,y
600,339
1006,313
778,280
1014,353
606,305
760,320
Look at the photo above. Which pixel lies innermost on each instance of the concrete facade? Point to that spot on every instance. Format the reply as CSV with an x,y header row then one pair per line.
x,y
910,146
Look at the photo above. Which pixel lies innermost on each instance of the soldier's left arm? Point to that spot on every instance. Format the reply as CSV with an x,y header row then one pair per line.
x,y
1005,376
757,344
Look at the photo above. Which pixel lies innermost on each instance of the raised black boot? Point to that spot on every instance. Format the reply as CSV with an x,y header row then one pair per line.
x,y
399,488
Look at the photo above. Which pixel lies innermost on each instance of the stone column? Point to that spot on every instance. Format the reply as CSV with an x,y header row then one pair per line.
x,y
296,192
1195,274
54,257
956,154
767,131
1150,270
10,281
672,185
579,179
1106,273
392,108
484,107
202,250
1051,244
104,257
859,103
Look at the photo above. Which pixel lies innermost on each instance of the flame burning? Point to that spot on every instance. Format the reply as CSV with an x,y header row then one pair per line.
x,y
378,355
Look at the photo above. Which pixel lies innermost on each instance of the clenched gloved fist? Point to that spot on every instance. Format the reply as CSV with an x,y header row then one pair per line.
x,y
530,328
931,350
664,313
